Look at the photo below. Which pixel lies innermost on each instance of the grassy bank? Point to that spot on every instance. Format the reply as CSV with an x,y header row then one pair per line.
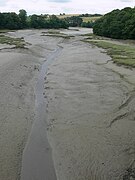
x,y
85,19
89,19
5,30
56,33
121,54
18,42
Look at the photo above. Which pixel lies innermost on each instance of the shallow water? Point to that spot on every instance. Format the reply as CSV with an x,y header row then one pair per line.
x,y
37,157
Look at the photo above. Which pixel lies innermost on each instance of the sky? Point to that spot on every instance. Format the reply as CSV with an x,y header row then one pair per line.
x,y
64,6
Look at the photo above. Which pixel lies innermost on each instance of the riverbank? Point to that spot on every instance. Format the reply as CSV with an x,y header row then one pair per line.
x,y
90,114
121,51
87,127
19,71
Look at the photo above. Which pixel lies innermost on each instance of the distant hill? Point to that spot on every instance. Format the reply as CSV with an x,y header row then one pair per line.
x,y
85,17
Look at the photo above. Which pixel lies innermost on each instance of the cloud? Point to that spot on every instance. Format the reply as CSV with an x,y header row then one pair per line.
x,y
126,0
59,1
64,6
3,3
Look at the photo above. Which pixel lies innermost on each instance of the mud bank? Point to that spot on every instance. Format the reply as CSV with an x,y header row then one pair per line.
x,y
82,114
90,115
19,71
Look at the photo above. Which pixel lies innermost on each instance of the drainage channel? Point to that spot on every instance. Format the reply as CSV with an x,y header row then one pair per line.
x,y
37,162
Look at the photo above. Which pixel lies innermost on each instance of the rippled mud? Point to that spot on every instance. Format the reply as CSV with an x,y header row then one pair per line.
x,y
67,112
91,115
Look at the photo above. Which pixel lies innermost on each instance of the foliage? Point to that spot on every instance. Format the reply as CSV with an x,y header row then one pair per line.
x,y
88,24
90,15
74,21
20,21
13,21
119,24
84,20
9,21
42,21
18,42
23,18
56,33
88,19
121,54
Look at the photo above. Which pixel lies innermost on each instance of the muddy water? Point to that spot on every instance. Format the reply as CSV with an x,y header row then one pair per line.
x,y
37,158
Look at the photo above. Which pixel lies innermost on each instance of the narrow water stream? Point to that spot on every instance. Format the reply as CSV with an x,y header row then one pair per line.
x,y
37,160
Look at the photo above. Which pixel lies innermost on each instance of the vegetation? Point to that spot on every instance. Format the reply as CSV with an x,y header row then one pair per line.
x,y
23,18
9,21
44,21
119,24
91,15
56,33
18,42
74,21
88,24
80,20
15,21
89,19
121,54
6,31
63,16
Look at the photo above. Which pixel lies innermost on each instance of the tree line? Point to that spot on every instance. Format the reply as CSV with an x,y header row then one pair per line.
x,y
118,24
77,21
15,21
21,21
90,15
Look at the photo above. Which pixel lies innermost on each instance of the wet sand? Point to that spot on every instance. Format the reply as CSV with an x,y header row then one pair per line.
x,y
19,71
86,130
90,115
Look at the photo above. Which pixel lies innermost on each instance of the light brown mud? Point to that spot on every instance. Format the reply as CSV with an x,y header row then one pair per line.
x,y
91,115
19,71
88,127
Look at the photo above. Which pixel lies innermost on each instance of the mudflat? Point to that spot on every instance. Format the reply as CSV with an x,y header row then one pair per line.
x,y
19,71
89,112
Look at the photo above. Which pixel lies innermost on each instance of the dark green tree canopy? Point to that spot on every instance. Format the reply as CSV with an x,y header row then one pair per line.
x,y
42,21
23,18
22,21
74,21
88,24
119,24
9,21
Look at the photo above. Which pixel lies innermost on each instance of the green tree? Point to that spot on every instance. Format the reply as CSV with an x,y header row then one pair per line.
x,y
34,21
88,24
23,18
118,24
9,21
74,21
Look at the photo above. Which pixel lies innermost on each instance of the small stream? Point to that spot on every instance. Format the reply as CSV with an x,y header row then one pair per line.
x,y
37,160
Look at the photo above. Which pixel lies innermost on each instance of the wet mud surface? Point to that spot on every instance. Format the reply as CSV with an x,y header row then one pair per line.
x,y
67,112
90,115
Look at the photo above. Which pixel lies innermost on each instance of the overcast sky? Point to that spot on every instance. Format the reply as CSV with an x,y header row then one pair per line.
x,y
64,6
